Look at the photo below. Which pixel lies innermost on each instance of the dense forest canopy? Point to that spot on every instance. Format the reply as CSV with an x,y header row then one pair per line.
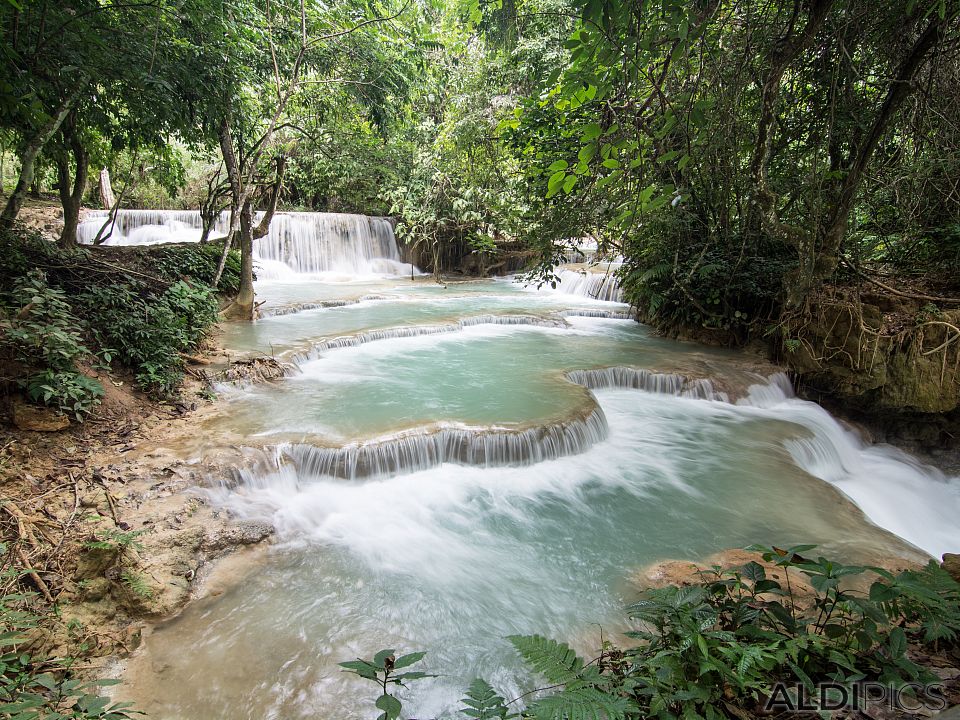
x,y
737,154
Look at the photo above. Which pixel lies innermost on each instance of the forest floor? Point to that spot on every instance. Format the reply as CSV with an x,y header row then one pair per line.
x,y
106,514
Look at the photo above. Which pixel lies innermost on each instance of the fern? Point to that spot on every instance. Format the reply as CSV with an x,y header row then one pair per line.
x,y
582,703
554,660
483,703
656,272
138,586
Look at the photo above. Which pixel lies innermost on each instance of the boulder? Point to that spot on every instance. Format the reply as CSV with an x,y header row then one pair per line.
x,y
38,419
951,563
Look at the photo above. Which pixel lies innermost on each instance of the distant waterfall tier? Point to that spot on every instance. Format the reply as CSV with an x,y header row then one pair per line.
x,y
297,242
597,285
411,331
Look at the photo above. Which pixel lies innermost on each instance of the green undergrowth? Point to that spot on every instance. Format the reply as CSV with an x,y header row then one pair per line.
x,y
134,308
718,648
33,685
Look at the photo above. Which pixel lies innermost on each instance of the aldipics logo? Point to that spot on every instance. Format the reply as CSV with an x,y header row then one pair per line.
x,y
911,697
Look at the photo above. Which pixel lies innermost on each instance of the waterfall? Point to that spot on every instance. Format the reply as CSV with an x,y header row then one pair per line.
x,y
425,448
596,285
893,489
416,451
409,331
628,378
297,243
142,227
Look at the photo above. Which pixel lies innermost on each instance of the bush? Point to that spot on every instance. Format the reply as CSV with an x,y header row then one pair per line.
x,y
41,337
142,306
149,332
199,263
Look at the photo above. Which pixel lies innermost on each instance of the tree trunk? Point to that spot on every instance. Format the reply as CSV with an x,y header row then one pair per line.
x,y
233,175
28,159
264,226
761,211
819,257
71,198
107,198
242,306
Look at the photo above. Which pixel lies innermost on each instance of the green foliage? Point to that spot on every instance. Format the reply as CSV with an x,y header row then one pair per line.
x,y
382,670
40,334
483,703
197,263
40,688
69,392
717,647
116,539
144,318
148,332
136,583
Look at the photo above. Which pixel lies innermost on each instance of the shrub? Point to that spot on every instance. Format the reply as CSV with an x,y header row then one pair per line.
x,y
39,687
199,263
143,308
41,336
149,332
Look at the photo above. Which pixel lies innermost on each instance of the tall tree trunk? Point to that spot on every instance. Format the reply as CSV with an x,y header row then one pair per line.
x,y
107,198
28,159
901,87
242,306
71,197
761,211
233,176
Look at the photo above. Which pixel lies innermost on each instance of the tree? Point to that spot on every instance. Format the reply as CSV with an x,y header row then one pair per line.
x,y
724,147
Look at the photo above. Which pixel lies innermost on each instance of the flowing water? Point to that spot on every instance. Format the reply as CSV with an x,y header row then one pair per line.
x,y
451,465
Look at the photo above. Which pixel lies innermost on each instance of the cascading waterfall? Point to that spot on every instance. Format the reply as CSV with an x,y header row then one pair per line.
x,y
298,243
322,305
422,449
390,537
143,227
479,447
627,378
596,285
893,489
332,242
599,313
410,331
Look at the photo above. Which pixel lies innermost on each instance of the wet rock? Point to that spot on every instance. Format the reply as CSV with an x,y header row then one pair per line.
x,y
255,370
38,419
96,589
95,562
242,534
951,563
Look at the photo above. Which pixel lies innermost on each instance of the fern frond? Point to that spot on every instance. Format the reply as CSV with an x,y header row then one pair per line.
x,y
656,272
483,703
137,584
554,660
581,703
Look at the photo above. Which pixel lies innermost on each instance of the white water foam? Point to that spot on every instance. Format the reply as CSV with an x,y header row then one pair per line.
x,y
597,285
895,490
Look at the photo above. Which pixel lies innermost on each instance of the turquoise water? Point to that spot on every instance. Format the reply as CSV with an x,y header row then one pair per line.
x,y
453,558
482,375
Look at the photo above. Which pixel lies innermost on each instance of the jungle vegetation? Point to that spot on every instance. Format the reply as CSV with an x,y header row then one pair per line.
x,y
738,155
